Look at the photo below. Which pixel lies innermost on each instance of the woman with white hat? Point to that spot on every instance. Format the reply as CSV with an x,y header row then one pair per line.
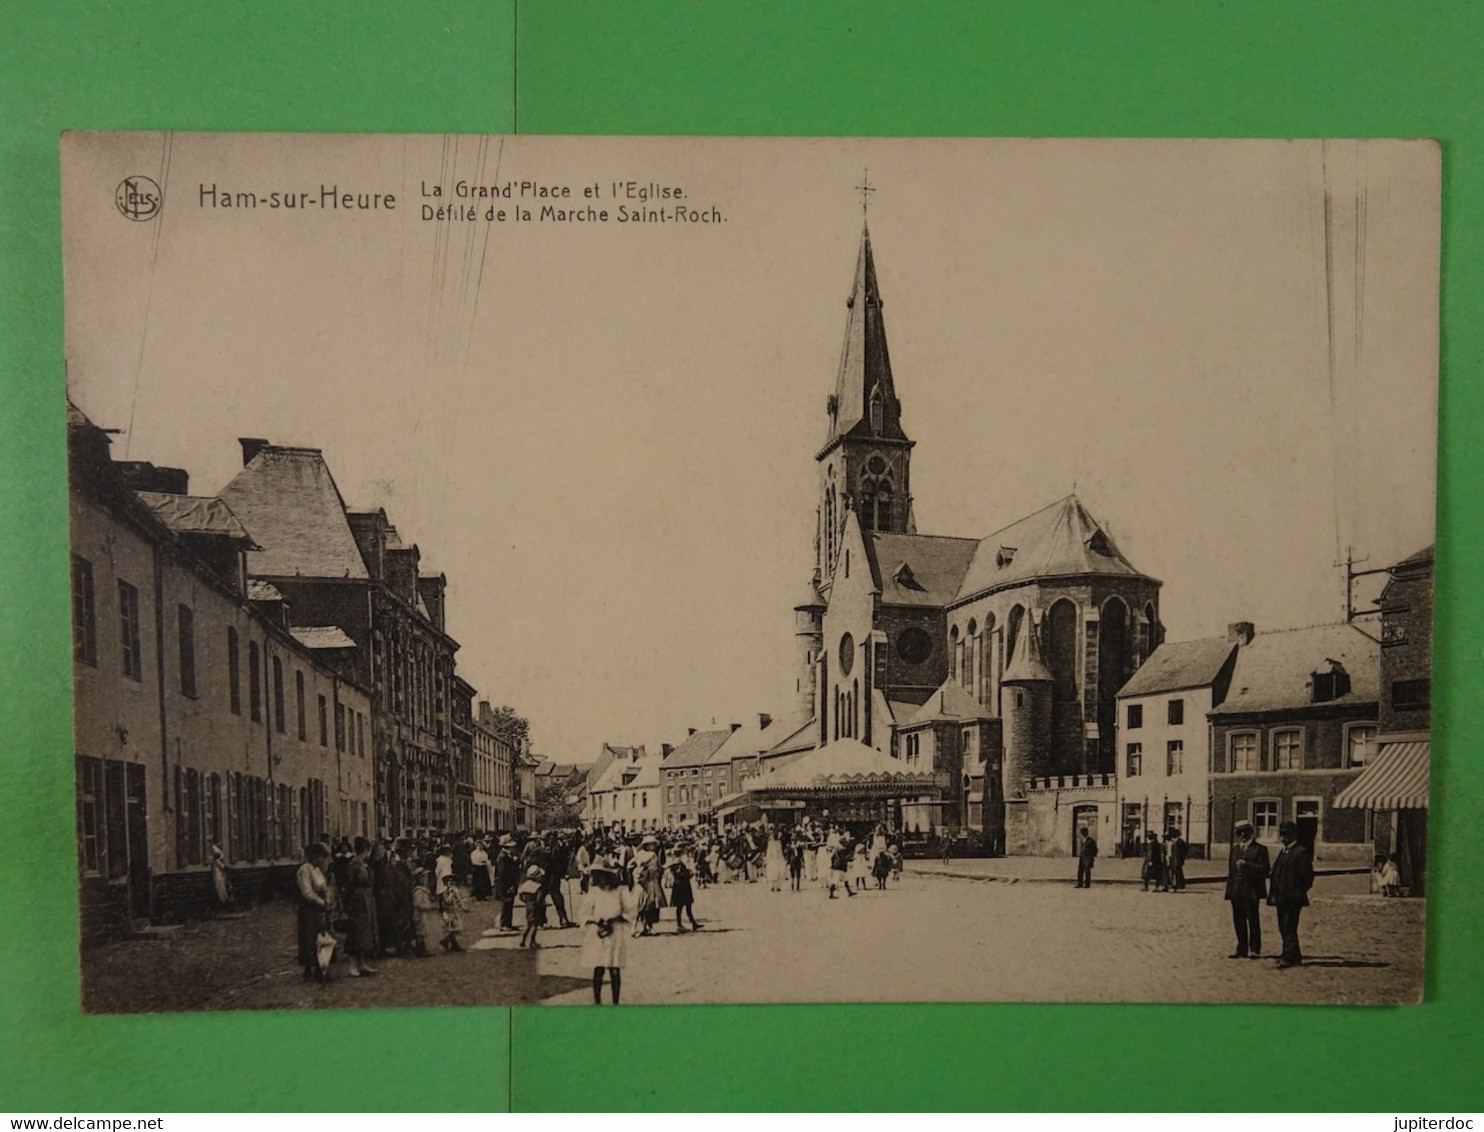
x,y
611,907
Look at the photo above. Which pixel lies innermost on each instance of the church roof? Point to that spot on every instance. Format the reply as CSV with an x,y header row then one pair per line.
x,y
1183,664
865,365
1276,670
1062,539
287,498
951,702
918,569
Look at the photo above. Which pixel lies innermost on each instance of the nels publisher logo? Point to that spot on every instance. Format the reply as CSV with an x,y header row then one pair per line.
x,y
138,198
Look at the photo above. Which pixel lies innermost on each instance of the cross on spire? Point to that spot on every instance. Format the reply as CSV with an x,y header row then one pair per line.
x,y
865,188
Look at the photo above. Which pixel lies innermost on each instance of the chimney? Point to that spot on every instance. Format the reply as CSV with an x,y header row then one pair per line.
x,y
764,720
1240,632
251,446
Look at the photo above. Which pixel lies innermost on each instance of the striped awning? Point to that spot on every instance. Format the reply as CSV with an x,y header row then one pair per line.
x,y
1395,780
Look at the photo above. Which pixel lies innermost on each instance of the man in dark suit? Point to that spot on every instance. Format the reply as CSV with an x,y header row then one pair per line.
x,y
1153,871
1246,885
1175,854
1293,875
1086,855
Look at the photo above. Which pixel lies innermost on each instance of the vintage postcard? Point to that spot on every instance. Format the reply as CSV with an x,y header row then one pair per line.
x,y
541,570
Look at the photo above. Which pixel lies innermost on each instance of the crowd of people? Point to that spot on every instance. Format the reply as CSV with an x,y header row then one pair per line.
x,y
362,900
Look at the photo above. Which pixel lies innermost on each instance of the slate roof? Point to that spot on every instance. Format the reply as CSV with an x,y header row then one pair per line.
x,y
935,567
952,702
1274,671
801,738
696,749
322,637
865,364
287,498
1182,664
1059,540
195,515
1025,662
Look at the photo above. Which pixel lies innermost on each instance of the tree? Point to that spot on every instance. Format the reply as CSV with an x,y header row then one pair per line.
x,y
553,811
510,726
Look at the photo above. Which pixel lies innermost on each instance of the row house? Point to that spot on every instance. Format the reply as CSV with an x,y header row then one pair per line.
x,y
692,783
1297,725
1164,777
206,720
351,570
494,774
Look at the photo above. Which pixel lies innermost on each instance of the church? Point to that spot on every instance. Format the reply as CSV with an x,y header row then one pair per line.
x,y
992,662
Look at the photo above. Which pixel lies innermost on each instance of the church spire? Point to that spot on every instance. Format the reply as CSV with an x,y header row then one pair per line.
x,y
865,403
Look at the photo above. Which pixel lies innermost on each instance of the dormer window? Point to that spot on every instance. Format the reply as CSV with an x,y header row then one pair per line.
x,y
1004,557
1099,543
906,579
1330,682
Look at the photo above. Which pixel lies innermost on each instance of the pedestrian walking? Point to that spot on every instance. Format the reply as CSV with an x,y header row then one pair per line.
x,y
1176,851
796,854
681,894
480,885
840,858
860,866
775,868
1288,893
881,869
1087,855
1246,885
507,881
359,904
610,909
651,896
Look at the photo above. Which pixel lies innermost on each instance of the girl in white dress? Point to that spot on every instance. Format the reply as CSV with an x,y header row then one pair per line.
x,y
611,909
776,868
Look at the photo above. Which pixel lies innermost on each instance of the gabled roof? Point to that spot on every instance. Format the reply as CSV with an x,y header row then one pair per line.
x,y
925,570
800,738
696,749
1062,539
287,498
646,774
196,515
1180,664
322,637
951,702
1274,671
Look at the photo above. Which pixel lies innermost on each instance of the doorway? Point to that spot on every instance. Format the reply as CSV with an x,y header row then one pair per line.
x,y
137,826
1306,817
1084,825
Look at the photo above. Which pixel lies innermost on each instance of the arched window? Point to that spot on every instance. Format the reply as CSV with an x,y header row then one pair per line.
x,y
855,708
1060,641
1012,632
868,504
1151,632
829,527
878,422
234,672
883,506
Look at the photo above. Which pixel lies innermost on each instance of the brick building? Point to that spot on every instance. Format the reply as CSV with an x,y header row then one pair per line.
x,y
1392,790
1298,723
206,715
691,781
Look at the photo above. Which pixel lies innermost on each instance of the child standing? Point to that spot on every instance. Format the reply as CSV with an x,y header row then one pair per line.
x,y
426,920
451,904
533,899
681,895
1391,877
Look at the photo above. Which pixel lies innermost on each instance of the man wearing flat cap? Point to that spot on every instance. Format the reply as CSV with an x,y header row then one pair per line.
x,y
1246,885
1293,875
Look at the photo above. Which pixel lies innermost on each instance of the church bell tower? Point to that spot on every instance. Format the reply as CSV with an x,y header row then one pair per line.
x,y
864,464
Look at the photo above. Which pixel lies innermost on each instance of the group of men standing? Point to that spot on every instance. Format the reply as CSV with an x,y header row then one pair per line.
x,y
1284,883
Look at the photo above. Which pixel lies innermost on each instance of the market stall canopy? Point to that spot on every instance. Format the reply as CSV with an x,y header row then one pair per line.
x,y
1395,780
843,765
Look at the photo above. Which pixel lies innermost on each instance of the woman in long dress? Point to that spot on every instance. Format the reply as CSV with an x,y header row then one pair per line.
x,y
359,903
651,895
776,869
315,905
610,909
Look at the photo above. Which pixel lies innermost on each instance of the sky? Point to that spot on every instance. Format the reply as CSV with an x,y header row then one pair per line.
x,y
604,432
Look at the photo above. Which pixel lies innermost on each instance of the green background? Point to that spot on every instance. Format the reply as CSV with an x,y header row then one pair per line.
x,y
1028,69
